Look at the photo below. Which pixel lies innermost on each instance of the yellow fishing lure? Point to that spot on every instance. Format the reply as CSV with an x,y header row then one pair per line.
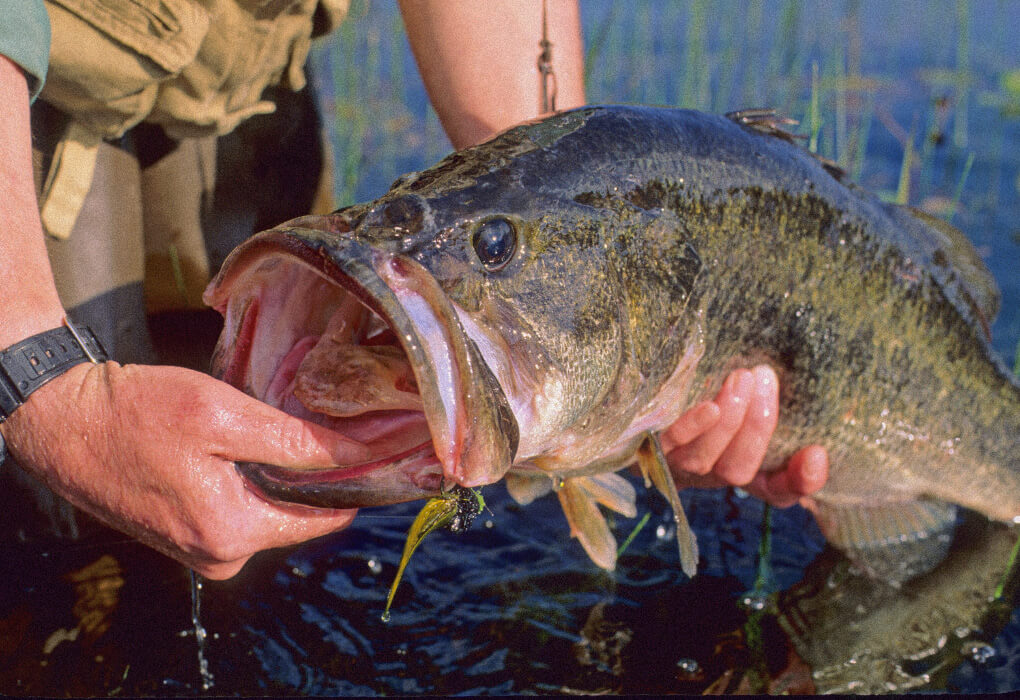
x,y
455,510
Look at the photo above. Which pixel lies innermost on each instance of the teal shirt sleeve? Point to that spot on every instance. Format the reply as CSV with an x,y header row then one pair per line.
x,y
25,38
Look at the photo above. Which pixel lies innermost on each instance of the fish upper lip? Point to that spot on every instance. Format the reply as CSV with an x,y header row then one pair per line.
x,y
430,337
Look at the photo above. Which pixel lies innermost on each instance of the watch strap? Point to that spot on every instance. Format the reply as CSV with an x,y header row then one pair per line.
x,y
29,364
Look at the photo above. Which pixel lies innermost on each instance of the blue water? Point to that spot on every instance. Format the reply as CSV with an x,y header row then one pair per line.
x,y
514,605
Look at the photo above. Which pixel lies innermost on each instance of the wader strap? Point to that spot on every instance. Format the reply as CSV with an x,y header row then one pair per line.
x,y
69,179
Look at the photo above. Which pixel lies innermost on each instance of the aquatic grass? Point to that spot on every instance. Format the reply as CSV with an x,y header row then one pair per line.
x,y
633,533
695,92
177,271
812,62
815,118
597,42
963,70
903,186
959,188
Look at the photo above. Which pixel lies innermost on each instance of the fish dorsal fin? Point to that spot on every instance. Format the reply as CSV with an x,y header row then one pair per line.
x,y
653,466
587,523
771,123
892,541
954,250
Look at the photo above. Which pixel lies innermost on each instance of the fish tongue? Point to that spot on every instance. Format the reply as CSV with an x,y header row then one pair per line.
x,y
342,379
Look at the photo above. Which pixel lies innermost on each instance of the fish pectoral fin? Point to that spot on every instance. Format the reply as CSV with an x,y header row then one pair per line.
x,y
892,542
525,488
587,523
653,466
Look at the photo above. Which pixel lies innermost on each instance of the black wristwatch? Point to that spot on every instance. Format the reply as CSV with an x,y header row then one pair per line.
x,y
27,365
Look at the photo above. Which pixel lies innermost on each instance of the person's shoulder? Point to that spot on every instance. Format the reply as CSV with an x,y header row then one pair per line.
x,y
25,38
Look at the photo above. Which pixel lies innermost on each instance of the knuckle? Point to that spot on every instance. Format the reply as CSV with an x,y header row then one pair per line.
x,y
737,472
696,464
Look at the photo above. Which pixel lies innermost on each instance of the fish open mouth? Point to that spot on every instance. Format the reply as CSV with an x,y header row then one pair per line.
x,y
362,341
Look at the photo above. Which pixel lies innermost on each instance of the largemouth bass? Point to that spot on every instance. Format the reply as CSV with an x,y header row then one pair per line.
x,y
538,307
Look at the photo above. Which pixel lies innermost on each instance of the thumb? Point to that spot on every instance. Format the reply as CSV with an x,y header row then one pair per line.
x,y
253,431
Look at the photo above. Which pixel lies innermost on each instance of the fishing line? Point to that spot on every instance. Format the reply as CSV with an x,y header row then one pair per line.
x,y
545,69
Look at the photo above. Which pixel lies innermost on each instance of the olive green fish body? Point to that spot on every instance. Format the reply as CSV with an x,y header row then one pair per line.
x,y
567,289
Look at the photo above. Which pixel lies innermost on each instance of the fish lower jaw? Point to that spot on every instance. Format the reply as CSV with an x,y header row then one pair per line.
x,y
408,477
311,347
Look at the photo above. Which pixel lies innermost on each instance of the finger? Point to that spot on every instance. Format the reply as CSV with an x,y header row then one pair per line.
x,y
259,524
291,524
698,456
803,475
253,431
686,480
690,425
808,470
743,456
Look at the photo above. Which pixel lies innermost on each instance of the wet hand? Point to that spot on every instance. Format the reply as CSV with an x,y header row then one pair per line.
x,y
723,443
151,452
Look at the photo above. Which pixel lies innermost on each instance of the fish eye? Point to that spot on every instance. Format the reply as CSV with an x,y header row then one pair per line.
x,y
495,242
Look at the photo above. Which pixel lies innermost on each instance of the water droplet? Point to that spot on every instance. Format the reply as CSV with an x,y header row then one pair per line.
x,y
489,524
754,602
662,532
374,566
688,666
979,652
385,617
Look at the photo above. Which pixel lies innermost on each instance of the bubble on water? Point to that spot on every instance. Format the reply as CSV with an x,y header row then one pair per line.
x,y
662,532
374,566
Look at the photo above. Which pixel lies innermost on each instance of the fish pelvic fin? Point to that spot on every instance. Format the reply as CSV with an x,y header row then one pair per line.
x,y
892,542
580,497
654,468
525,488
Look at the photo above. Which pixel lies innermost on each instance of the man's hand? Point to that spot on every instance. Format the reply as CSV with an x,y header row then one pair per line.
x,y
723,442
151,452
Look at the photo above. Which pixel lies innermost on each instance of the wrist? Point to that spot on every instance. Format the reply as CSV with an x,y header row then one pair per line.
x,y
15,328
33,362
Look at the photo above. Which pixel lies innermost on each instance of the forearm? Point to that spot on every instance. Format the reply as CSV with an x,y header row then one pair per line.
x,y
479,61
28,295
